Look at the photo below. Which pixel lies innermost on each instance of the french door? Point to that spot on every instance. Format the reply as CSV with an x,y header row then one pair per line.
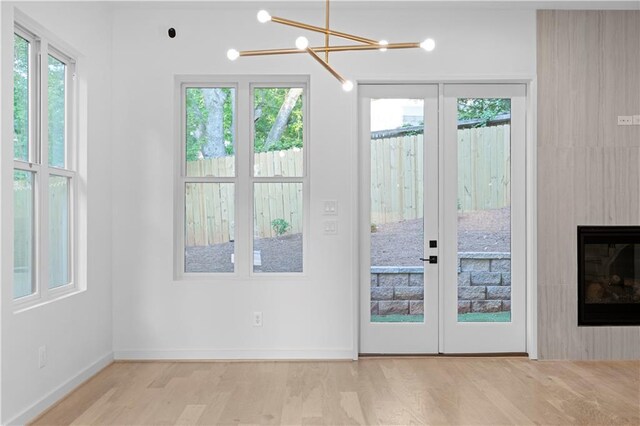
x,y
442,218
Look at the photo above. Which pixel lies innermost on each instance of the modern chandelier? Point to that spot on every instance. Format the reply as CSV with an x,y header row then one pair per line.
x,y
302,44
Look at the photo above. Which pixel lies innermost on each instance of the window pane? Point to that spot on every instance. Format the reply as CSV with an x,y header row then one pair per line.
x,y
209,227
277,227
21,98
278,131
484,210
59,250
210,128
56,93
397,210
23,246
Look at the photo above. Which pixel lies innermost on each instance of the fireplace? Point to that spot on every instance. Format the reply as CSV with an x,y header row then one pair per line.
x,y
609,275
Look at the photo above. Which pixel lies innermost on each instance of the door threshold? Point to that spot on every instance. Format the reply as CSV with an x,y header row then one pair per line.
x,y
440,355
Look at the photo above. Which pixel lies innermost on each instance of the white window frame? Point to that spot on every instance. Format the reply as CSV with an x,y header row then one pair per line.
x,y
244,178
43,44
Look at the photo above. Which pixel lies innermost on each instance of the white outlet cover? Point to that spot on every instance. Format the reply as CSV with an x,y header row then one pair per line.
x,y
330,207
625,120
330,227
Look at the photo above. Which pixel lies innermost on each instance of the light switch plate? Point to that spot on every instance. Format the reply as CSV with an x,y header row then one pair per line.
x,y
330,207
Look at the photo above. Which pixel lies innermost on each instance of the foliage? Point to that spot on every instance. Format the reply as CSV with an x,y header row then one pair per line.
x,y
56,110
484,110
280,226
20,98
197,117
267,103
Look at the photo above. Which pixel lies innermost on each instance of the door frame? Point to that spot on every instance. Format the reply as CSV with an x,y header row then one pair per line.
x,y
405,335
531,329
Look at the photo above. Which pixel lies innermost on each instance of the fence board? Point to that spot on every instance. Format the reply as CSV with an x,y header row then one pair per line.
x,y
397,173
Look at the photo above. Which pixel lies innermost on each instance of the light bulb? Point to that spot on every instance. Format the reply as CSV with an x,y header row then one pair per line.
x,y
232,54
302,43
263,16
383,43
428,45
347,86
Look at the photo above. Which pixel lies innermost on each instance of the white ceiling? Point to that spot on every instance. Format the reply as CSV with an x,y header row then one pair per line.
x,y
495,4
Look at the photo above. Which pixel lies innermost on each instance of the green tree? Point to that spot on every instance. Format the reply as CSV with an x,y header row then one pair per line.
x,y
20,98
278,119
56,112
201,119
481,109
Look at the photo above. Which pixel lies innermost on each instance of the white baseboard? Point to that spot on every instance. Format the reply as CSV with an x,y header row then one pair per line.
x,y
235,354
60,392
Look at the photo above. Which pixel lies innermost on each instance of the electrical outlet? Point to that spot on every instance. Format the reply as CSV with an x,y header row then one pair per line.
x,y
625,120
42,356
257,319
636,120
330,227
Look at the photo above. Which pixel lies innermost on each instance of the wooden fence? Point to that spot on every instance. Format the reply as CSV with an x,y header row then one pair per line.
x,y
23,262
484,168
396,185
209,207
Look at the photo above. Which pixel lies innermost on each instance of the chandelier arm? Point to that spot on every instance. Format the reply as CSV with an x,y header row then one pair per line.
x,y
328,67
320,49
326,35
340,34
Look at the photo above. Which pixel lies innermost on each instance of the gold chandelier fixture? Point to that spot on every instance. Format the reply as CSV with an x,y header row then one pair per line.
x,y
302,44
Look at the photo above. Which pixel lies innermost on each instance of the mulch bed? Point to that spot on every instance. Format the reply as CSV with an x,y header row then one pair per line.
x,y
392,244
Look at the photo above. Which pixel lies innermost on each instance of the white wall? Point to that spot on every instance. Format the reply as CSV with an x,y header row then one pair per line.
x,y
311,317
77,330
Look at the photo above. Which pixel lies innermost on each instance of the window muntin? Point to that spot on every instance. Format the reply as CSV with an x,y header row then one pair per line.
x,y
44,170
240,128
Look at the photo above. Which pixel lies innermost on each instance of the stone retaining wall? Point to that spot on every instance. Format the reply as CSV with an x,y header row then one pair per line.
x,y
484,285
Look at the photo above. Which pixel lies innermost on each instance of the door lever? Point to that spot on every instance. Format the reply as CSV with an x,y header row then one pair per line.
x,y
431,259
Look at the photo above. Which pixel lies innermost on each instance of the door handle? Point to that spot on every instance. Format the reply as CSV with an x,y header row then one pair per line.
x,y
431,259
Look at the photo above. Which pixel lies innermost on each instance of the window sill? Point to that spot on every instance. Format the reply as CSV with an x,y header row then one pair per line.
x,y
20,307
248,279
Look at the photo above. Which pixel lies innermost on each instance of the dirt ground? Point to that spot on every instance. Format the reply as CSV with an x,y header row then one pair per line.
x,y
392,244
280,254
400,243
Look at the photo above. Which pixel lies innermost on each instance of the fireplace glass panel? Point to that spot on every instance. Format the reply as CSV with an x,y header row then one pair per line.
x,y
608,275
612,273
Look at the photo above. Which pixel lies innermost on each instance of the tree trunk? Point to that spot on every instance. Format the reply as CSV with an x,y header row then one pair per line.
x,y
283,117
214,101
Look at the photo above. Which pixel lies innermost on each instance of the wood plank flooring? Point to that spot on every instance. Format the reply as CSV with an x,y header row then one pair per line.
x,y
389,391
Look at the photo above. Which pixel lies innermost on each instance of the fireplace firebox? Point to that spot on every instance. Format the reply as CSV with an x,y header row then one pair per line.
x,y
609,275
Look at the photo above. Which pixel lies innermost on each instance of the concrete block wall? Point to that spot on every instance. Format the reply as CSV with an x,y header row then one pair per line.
x,y
484,285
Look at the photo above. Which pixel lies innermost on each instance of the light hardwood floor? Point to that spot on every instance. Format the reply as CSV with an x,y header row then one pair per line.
x,y
390,391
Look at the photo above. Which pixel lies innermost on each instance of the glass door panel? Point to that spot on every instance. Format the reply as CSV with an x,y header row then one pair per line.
x,y
484,218
484,209
399,199
396,206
